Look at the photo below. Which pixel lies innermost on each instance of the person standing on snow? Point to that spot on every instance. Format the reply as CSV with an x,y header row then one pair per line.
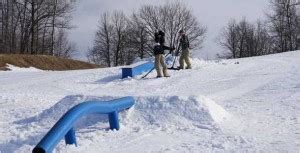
x,y
159,49
185,45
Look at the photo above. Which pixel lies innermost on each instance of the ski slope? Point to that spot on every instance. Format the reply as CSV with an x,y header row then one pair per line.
x,y
244,105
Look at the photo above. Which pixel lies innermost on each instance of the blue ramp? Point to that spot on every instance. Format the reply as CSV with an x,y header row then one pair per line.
x,y
137,69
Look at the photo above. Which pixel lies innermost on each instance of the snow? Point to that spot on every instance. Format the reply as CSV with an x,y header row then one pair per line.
x,y
242,105
18,69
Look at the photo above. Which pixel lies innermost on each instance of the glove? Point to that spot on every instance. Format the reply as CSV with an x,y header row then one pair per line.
x,y
171,50
177,53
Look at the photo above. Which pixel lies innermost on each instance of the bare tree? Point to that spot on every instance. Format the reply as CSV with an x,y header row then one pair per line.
x,y
101,53
148,19
1,26
171,18
297,5
284,24
130,37
63,48
27,26
138,40
176,16
53,26
263,41
244,39
119,21
229,40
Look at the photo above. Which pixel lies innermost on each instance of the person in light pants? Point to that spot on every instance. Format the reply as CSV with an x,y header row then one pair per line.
x,y
159,49
185,54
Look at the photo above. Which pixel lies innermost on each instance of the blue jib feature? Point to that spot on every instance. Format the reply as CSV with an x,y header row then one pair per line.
x,y
65,126
137,70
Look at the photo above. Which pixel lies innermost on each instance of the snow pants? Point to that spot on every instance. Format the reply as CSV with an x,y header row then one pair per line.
x,y
184,58
160,61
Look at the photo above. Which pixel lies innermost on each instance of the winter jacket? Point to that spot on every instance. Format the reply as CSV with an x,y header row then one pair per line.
x,y
158,49
184,42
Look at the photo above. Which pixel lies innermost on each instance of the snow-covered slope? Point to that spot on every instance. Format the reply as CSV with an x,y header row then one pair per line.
x,y
245,105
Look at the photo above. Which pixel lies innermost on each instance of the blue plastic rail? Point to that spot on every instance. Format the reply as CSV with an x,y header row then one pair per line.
x,y
65,126
137,70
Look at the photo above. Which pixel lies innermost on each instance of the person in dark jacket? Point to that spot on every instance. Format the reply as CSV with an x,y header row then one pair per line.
x,y
185,45
159,49
160,38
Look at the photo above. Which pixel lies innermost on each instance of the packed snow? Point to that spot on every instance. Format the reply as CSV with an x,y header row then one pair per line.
x,y
15,68
242,105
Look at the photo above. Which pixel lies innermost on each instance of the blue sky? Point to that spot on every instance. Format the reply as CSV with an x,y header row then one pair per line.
x,y
214,14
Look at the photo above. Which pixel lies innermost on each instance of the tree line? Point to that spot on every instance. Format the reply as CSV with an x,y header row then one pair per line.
x,y
280,32
36,27
121,38
40,27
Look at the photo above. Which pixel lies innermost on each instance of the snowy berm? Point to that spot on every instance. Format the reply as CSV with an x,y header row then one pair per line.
x,y
244,105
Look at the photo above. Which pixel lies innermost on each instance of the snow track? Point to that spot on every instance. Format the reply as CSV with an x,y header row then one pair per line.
x,y
245,105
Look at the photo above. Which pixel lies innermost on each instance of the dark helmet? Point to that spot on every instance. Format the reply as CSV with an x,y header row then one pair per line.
x,y
160,32
181,31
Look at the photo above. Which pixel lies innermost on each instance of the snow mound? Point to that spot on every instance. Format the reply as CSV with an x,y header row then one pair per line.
x,y
148,112
176,111
19,69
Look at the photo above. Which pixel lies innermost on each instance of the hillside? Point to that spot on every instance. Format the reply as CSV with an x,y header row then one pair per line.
x,y
242,105
43,62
